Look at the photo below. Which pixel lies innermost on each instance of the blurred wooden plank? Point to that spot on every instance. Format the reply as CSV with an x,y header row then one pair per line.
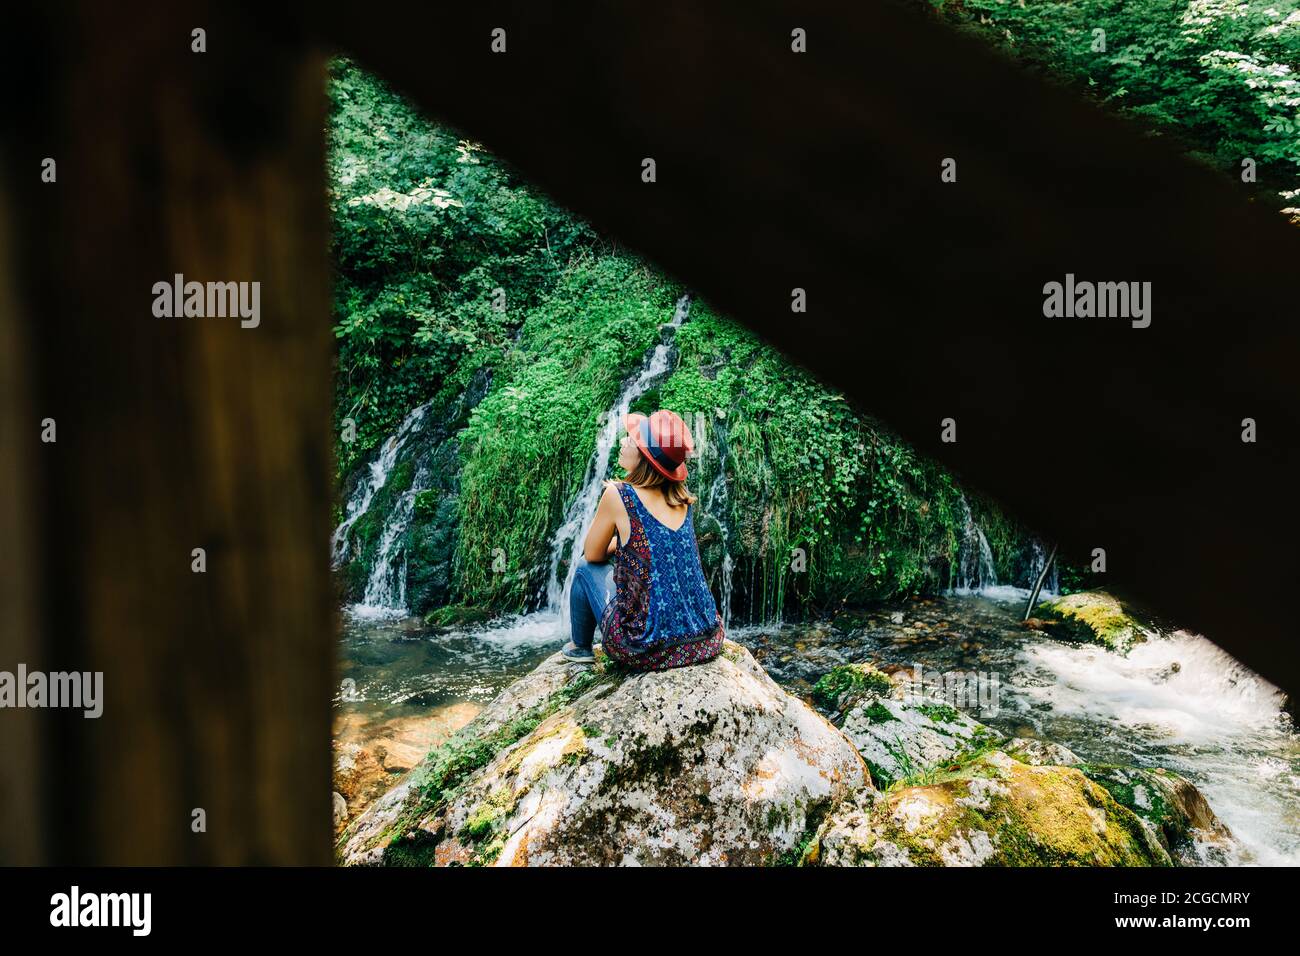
x,y
182,433
21,816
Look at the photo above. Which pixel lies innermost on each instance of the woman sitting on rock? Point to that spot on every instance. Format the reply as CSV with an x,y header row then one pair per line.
x,y
652,603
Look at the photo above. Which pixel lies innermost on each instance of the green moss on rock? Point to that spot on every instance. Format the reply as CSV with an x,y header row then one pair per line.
x,y
457,615
1096,617
994,811
1175,810
861,678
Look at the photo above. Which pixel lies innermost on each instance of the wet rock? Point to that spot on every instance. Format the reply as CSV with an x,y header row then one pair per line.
x,y
991,811
358,775
708,764
1041,753
457,617
340,809
1093,616
1176,812
1161,675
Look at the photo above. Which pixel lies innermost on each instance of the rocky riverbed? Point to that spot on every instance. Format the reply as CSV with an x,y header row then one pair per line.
x,y
1048,747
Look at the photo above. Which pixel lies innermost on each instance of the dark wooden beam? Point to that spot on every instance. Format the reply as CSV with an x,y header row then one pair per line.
x,y
176,433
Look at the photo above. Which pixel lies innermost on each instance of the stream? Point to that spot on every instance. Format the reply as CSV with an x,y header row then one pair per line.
x,y
1209,718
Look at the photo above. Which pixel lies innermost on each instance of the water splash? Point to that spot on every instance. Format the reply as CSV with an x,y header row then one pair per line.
x,y
1181,702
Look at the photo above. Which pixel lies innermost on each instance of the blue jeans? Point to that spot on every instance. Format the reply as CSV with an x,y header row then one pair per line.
x,y
593,588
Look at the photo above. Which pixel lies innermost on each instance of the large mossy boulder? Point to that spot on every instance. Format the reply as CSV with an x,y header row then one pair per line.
x,y
954,792
708,764
1176,812
1092,616
990,811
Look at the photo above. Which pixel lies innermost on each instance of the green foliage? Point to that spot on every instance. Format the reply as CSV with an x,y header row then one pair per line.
x,y
447,767
426,226
1218,75
849,677
939,713
812,480
878,713
529,442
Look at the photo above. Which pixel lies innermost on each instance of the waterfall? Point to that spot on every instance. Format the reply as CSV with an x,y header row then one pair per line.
x,y
1037,558
385,594
364,493
717,507
573,529
386,590
975,570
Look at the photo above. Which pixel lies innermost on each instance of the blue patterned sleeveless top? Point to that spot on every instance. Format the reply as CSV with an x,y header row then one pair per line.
x,y
663,614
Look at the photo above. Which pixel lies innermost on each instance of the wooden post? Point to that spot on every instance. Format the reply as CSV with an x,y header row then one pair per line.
x,y
175,433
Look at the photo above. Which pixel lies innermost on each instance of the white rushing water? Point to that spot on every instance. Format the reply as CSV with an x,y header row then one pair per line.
x,y
380,469
974,571
717,506
1183,703
577,520
386,589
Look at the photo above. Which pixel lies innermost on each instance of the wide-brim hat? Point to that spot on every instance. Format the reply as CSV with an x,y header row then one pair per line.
x,y
664,440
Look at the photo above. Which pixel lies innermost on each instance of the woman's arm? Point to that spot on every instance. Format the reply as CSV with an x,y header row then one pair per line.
x,y
600,539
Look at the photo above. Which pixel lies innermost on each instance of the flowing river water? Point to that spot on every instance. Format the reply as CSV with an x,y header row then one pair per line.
x,y
1176,701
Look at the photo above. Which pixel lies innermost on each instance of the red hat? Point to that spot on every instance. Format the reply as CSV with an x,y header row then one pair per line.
x,y
664,441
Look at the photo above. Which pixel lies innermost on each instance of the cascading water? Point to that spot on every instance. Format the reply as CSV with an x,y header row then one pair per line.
x,y
717,506
1181,702
975,570
380,469
1037,558
386,590
573,529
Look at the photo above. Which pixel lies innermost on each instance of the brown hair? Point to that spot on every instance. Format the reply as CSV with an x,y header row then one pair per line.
x,y
644,476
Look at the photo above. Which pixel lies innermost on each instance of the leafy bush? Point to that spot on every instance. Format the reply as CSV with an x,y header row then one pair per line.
x,y
426,226
1217,75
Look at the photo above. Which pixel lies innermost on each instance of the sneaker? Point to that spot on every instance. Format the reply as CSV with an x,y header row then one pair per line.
x,y
578,655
